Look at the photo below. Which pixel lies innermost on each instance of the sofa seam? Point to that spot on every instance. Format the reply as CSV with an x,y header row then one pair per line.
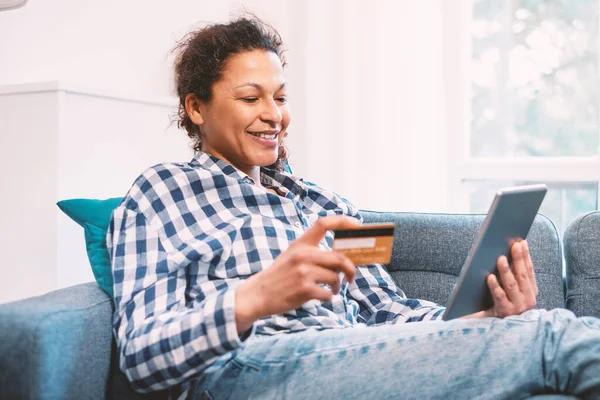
x,y
456,276
577,249
83,308
425,213
44,320
556,234
577,253
577,234
561,256
47,314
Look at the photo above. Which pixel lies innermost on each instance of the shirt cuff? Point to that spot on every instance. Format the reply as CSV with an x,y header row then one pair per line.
x,y
225,323
435,314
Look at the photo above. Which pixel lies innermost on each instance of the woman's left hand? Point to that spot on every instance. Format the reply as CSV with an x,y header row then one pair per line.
x,y
519,289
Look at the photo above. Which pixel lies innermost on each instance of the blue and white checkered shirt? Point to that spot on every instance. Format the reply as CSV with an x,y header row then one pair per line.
x,y
183,239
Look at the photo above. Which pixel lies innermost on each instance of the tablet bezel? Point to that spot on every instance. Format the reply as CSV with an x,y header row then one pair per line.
x,y
467,299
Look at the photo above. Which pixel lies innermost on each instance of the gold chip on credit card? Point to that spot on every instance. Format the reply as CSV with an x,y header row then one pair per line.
x,y
366,244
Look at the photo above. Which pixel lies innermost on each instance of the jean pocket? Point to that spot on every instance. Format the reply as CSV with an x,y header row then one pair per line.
x,y
591,322
224,381
243,362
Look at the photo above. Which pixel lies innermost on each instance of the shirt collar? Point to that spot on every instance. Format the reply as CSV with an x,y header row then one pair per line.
x,y
268,177
272,177
218,166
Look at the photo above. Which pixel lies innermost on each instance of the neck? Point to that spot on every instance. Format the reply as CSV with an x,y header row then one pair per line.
x,y
254,173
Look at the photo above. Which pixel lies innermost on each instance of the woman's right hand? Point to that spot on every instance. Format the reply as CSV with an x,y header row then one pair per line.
x,y
294,277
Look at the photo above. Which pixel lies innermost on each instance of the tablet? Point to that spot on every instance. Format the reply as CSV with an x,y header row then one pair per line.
x,y
510,216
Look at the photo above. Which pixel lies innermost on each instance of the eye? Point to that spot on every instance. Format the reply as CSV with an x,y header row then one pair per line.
x,y
250,99
282,100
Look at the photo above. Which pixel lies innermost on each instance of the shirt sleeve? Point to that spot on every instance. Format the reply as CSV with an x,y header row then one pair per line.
x,y
162,339
379,298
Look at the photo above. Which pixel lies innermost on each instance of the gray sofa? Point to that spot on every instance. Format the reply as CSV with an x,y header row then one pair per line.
x,y
60,346
582,256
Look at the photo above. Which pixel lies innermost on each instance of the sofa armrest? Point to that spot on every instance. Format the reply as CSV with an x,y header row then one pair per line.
x,y
56,346
582,256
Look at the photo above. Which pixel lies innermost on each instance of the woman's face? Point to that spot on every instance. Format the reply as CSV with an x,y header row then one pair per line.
x,y
246,119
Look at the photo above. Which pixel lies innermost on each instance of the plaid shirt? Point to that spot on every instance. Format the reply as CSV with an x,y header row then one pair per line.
x,y
183,239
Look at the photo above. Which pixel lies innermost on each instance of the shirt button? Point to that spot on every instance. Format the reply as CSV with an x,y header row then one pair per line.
x,y
298,224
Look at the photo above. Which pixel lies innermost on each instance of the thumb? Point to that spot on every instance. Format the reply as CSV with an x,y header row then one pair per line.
x,y
316,233
480,314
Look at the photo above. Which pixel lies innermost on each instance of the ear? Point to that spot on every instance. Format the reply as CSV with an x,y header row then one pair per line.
x,y
192,108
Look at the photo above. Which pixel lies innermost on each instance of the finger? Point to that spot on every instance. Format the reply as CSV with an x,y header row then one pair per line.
x,y
323,275
501,302
530,295
520,271
480,314
316,232
332,260
529,264
509,284
320,293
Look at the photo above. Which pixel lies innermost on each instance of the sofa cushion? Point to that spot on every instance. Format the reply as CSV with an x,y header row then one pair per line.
x,y
582,256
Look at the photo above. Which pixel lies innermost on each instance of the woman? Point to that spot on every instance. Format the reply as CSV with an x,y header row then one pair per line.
x,y
226,285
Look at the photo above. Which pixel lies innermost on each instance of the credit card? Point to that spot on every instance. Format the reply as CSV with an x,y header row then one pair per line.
x,y
366,244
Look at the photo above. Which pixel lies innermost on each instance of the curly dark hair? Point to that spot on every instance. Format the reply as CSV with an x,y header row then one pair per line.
x,y
201,57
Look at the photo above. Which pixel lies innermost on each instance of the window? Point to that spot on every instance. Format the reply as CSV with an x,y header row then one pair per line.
x,y
529,93
563,202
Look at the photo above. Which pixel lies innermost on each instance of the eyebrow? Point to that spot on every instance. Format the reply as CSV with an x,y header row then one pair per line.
x,y
257,86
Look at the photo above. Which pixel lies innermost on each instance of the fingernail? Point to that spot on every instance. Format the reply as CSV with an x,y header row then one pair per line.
x,y
519,248
503,262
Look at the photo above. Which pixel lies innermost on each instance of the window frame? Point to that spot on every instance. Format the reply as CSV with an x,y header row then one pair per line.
x,y
462,167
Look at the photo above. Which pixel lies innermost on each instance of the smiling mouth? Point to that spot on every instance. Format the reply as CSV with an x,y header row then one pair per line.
x,y
262,135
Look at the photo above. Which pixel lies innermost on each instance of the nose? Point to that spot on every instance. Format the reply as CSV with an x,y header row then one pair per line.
x,y
271,113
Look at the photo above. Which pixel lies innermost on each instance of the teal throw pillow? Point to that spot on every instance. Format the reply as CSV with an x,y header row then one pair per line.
x,y
94,217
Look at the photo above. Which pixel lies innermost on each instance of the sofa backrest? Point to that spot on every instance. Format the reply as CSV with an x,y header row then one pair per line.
x,y
582,256
430,250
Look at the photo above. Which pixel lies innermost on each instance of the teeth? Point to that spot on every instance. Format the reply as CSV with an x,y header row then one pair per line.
x,y
265,135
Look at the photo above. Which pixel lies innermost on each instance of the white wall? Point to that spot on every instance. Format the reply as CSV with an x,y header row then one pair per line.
x,y
100,157
374,127
365,90
59,143
119,46
28,139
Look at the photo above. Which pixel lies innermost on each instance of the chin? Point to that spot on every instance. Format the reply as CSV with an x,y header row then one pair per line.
x,y
267,163
266,160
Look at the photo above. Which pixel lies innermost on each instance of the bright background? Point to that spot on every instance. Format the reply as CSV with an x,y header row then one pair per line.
x,y
425,106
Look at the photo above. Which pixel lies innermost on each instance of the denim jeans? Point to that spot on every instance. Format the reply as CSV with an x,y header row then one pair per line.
x,y
536,352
